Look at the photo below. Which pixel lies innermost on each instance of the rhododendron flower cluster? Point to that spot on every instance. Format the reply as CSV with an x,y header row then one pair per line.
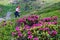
x,y
52,33
34,27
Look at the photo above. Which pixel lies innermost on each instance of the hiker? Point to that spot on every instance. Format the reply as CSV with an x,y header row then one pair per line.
x,y
17,12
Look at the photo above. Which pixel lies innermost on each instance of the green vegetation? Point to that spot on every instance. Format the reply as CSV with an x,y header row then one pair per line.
x,y
11,7
6,28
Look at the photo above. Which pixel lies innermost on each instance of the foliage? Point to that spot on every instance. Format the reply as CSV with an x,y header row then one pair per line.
x,y
6,27
34,28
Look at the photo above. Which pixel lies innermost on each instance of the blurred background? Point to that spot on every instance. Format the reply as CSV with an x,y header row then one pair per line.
x,y
28,6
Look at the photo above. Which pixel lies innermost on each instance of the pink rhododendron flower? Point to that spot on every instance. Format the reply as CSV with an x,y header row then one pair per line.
x,y
36,16
52,33
36,25
36,38
29,32
49,32
29,18
49,23
33,18
47,19
13,33
30,36
54,23
21,20
27,27
41,29
40,22
17,29
54,17
20,34
46,29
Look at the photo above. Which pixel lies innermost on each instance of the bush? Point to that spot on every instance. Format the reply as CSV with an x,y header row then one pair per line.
x,y
34,28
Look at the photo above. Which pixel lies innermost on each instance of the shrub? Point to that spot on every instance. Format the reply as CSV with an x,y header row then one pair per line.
x,y
35,28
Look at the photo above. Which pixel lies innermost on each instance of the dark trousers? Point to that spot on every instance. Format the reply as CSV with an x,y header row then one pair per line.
x,y
16,14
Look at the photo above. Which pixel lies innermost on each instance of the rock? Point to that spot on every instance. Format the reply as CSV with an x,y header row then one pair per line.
x,y
2,19
0,9
8,16
14,1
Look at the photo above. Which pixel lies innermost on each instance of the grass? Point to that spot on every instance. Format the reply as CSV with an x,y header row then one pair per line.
x,y
49,14
9,7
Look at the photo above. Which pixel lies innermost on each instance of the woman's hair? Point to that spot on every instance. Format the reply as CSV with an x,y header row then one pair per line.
x,y
18,7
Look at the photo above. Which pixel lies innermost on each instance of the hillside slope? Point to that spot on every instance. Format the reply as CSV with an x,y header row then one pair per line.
x,y
9,7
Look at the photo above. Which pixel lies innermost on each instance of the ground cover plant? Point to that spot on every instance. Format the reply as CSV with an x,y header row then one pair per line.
x,y
34,28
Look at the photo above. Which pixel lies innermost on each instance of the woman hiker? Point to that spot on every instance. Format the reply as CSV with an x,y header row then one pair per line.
x,y
17,12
